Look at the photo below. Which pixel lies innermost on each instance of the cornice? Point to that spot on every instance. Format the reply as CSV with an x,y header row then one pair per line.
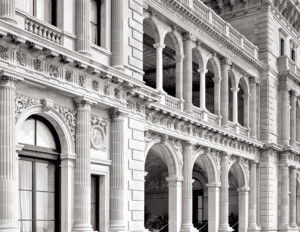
x,y
160,6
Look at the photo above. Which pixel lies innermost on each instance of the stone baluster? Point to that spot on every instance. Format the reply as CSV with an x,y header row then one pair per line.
x,y
253,108
293,118
224,196
7,11
253,197
83,26
188,44
225,66
82,206
293,197
8,160
117,181
159,66
117,38
187,193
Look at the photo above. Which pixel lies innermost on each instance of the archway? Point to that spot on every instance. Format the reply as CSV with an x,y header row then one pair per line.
x,y
162,189
210,86
241,106
198,67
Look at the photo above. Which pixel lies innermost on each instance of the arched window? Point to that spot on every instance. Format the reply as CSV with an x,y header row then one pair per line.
x,y
38,176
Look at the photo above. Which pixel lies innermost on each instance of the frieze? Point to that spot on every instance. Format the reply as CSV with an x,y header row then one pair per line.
x,y
68,76
53,71
98,133
81,80
3,52
21,58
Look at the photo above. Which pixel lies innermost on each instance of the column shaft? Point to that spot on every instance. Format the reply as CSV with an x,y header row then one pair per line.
x,y
285,121
117,188
188,75
246,98
213,206
179,77
82,206
253,111
217,95
243,209
187,193
224,91
284,196
8,161
175,196
253,197
7,10
117,38
235,105
202,89
159,66
293,197
83,30
293,118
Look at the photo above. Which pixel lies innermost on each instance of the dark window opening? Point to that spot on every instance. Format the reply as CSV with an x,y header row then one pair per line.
x,y
49,12
95,202
281,47
293,57
95,21
197,206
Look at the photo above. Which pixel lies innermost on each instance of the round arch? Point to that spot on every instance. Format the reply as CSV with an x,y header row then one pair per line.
x,y
244,83
240,174
154,24
215,62
61,127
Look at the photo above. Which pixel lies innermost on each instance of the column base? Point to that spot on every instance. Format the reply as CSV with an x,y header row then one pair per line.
x,y
82,228
9,230
9,19
119,229
188,228
253,228
225,228
85,53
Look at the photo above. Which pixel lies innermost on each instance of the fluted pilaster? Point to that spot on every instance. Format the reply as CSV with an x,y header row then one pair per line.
x,y
117,39
7,10
224,91
284,197
253,110
8,178
293,197
83,27
117,188
293,118
285,120
82,217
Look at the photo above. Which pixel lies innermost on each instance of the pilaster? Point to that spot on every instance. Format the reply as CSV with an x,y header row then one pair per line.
x,y
293,118
253,108
7,10
225,66
293,197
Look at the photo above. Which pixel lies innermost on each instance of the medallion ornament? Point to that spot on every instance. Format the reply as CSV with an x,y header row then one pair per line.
x,y
98,133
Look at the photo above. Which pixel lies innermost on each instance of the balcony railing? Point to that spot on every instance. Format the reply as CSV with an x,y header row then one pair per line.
x,y
213,119
172,102
284,63
220,25
197,112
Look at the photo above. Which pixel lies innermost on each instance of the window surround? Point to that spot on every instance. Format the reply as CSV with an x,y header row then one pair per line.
x,y
293,49
282,37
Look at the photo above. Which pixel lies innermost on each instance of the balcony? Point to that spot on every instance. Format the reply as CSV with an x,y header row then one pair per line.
x,y
285,64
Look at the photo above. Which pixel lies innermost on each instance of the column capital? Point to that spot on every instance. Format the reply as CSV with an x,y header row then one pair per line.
x,y
235,89
187,143
213,185
116,113
83,103
217,79
293,93
159,45
189,36
174,179
179,57
226,61
243,189
293,168
253,80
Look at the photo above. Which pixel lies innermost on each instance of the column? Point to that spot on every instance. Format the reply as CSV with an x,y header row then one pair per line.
x,y
179,77
188,44
175,208
224,198
253,197
213,206
293,197
293,118
217,95
253,108
7,10
117,179
82,206
284,196
243,209
117,33
225,66
202,88
159,66
83,30
246,98
285,120
297,121
235,105
8,160
187,189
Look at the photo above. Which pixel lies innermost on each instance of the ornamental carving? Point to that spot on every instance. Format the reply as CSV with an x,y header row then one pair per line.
x,y
81,81
98,133
106,89
117,93
3,52
95,85
21,58
37,64
53,71
68,76
179,150
22,103
245,165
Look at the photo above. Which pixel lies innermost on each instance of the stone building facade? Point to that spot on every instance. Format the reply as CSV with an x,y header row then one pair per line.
x,y
119,114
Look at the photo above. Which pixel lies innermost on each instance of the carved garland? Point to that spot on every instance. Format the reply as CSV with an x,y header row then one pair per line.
x,y
98,133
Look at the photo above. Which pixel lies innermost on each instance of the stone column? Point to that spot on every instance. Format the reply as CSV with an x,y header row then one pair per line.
x,y
235,105
246,98
188,44
253,111
8,160
82,206
179,77
117,33
213,206
285,120
7,11
284,196
117,177
83,30
159,66
202,89
225,66
217,95
175,197
243,209
253,197
293,118
293,197
224,198
187,189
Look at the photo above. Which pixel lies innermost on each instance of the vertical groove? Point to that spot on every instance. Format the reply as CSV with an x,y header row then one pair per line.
x,y
83,26
7,10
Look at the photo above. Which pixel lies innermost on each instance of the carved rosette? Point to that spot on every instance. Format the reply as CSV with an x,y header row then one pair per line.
x,y
98,133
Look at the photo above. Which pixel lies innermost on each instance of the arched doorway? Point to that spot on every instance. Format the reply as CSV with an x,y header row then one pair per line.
x,y
39,175
162,190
